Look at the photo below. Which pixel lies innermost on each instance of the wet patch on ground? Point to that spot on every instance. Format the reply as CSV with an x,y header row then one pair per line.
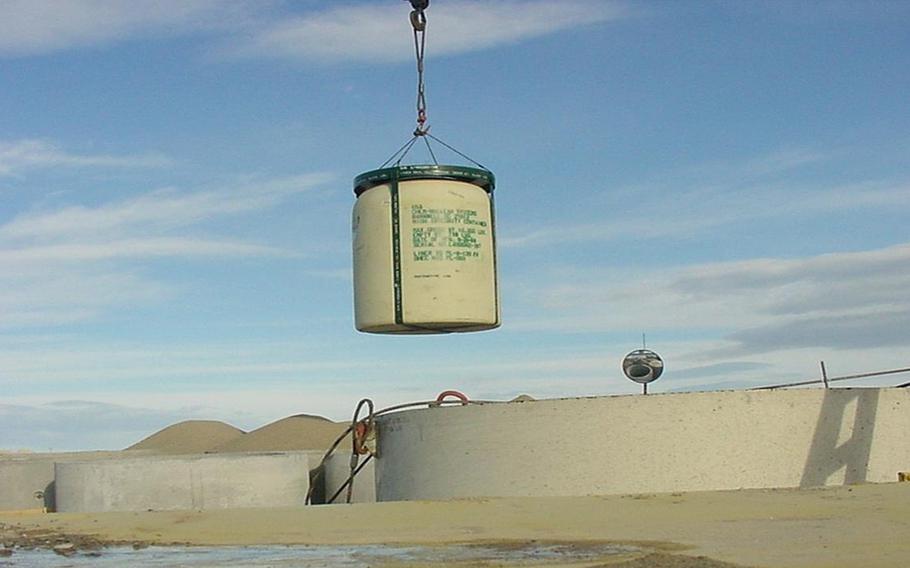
x,y
51,554
45,548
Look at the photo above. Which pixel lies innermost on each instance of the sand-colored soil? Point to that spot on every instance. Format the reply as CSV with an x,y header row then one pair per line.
x,y
865,525
299,432
189,437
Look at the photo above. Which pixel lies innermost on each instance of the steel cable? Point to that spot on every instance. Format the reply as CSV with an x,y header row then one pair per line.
x,y
320,469
419,25
418,19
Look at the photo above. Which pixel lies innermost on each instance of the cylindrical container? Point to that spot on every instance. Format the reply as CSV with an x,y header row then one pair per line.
x,y
425,250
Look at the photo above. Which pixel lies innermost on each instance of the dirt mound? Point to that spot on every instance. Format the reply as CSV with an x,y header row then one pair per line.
x,y
298,432
523,398
189,437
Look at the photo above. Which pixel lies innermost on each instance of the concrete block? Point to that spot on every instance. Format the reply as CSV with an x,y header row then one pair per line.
x,y
26,484
199,482
27,480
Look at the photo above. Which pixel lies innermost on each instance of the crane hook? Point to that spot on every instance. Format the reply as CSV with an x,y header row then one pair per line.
x,y
418,18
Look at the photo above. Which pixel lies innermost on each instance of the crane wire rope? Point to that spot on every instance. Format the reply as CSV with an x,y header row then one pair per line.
x,y
419,26
418,19
361,428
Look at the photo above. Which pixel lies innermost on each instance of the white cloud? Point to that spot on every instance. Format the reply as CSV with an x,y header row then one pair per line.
x,y
380,32
40,26
136,248
712,197
68,295
837,301
780,161
159,364
65,425
156,210
871,277
368,31
881,328
65,266
21,155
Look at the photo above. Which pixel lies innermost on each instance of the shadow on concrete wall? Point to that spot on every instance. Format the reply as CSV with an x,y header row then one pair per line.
x,y
317,483
826,456
50,497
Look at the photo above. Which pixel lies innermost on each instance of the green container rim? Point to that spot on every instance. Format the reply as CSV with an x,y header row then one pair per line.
x,y
483,179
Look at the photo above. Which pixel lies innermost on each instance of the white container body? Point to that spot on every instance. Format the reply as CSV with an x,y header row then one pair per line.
x,y
424,258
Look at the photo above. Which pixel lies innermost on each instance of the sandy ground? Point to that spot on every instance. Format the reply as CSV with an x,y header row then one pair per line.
x,y
867,525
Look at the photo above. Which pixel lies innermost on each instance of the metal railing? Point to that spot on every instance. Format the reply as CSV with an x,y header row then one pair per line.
x,y
825,380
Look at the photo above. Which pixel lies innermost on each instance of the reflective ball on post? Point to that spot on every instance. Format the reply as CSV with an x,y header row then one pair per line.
x,y
643,366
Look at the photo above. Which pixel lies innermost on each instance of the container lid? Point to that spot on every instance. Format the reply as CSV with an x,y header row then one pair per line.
x,y
483,179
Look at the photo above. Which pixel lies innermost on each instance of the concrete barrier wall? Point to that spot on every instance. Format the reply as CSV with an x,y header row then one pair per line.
x,y
210,481
26,484
645,444
337,471
27,480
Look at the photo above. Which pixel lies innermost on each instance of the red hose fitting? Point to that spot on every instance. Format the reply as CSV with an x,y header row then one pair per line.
x,y
446,394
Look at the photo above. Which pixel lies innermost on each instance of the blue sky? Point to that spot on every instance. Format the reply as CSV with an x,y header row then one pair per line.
x,y
732,178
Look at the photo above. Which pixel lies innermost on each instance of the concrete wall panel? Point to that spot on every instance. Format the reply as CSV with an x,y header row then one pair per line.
x,y
644,444
210,481
26,484
24,476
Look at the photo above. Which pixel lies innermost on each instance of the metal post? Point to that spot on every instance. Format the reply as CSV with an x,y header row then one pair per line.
x,y
824,375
